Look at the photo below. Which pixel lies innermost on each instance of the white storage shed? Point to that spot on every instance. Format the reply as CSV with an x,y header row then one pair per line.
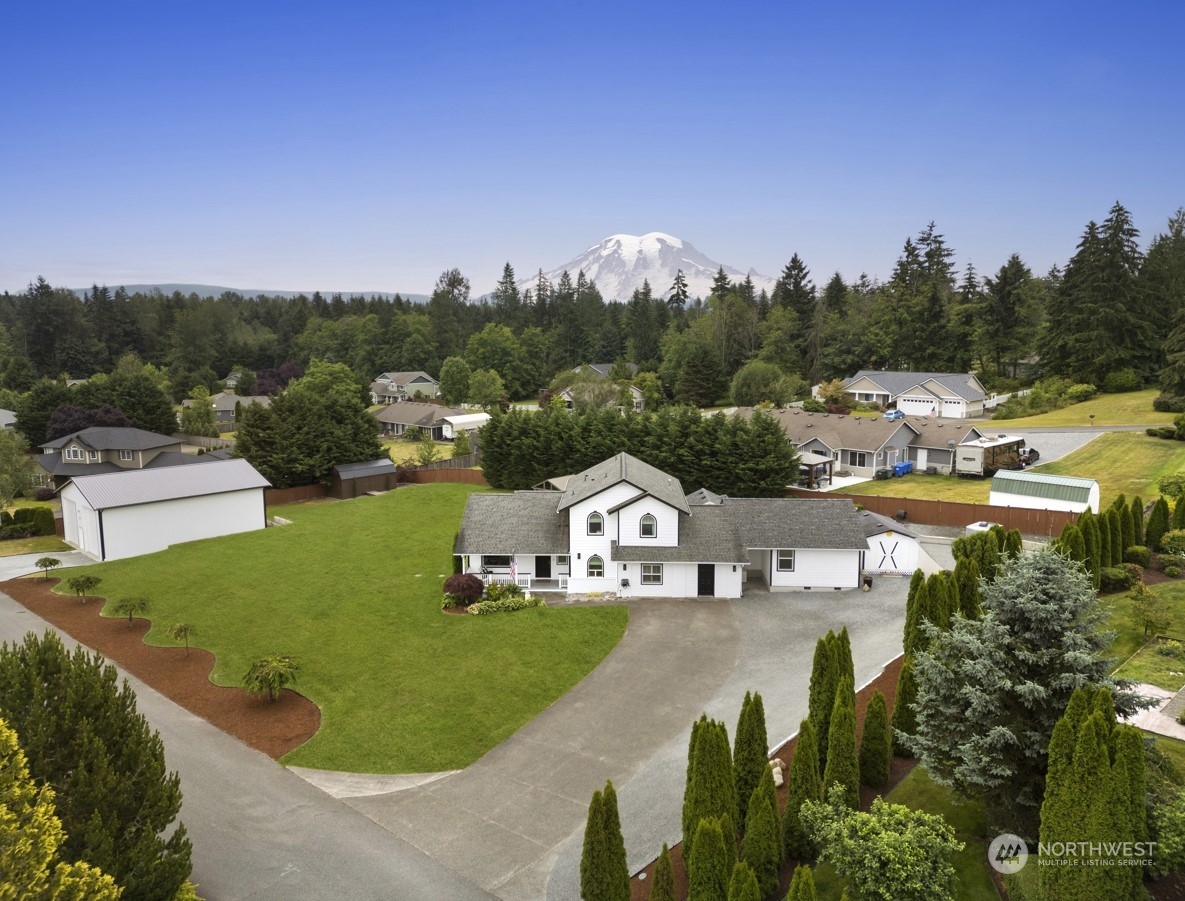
x,y
125,514
1037,491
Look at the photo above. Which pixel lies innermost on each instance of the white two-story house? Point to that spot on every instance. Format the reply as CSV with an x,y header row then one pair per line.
x,y
624,527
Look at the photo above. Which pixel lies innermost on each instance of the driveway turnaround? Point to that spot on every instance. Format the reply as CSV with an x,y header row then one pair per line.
x,y
23,564
260,832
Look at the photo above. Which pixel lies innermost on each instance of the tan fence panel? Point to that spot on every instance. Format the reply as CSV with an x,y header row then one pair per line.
x,y
274,496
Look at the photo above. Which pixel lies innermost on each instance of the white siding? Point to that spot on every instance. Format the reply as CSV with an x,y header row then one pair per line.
x,y
680,580
629,524
1028,502
817,568
145,528
583,545
891,552
80,523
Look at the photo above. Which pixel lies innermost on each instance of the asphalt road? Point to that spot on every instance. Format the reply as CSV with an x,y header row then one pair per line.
x,y
260,832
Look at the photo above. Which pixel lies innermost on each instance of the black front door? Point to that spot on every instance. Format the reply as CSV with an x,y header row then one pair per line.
x,y
707,580
542,567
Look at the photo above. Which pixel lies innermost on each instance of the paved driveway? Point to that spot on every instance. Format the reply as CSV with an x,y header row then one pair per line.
x,y
22,564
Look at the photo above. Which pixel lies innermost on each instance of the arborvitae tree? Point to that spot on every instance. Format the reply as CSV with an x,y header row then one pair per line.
x,y
1103,522
843,765
761,847
1076,548
824,679
662,886
844,666
1128,527
690,793
84,737
1137,515
1158,524
940,602
1013,544
904,715
1092,537
805,784
708,867
743,885
711,790
916,606
876,747
750,755
967,579
1178,520
1115,522
802,885
765,787
592,858
731,845
604,874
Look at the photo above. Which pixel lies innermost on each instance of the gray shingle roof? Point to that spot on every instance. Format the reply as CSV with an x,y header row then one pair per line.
x,y
146,486
624,468
7,419
861,433
875,524
525,522
707,535
961,384
797,522
703,497
935,433
349,471
112,438
413,413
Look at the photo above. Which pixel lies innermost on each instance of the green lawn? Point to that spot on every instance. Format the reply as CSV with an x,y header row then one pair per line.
x,y
353,590
404,451
1148,665
1131,408
44,544
920,485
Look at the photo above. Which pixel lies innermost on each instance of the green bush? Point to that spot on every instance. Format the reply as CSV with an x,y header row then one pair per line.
x,y
5,518
814,405
498,591
1076,394
1122,380
1169,403
42,521
1166,431
1115,578
1137,554
505,605
1152,431
23,516
1171,648
464,587
1172,571
1173,542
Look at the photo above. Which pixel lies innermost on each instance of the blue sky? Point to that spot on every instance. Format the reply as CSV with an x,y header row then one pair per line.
x,y
368,146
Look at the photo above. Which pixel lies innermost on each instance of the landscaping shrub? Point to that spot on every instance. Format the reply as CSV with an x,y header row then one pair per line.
x,y
1173,542
43,521
14,531
1152,432
1076,394
42,493
1169,403
814,405
1172,571
23,516
499,591
1122,380
505,605
1115,578
1137,554
5,518
1166,431
1171,648
464,588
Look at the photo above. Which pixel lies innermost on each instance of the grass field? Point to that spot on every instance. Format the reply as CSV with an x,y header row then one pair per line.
x,y
353,590
1147,665
1131,408
920,485
44,544
403,451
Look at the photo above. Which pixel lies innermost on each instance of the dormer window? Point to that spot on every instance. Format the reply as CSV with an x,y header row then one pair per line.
x,y
74,453
94,455
596,524
648,528
125,455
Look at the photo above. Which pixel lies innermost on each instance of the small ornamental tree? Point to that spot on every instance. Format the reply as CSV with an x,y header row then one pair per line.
x,y
83,585
466,587
270,675
427,452
462,445
806,784
603,872
181,632
1152,612
45,564
875,744
131,608
662,887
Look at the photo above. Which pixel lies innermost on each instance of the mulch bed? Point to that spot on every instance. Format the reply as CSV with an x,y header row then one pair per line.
x,y
886,682
183,677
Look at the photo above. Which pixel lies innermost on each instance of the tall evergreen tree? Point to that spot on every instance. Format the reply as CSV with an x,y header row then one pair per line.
x,y
1007,315
761,847
843,765
802,885
604,875
824,682
904,714
805,784
743,884
1158,524
1137,517
711,788
662,886
678,294
967,579
750,756
876,746
708,867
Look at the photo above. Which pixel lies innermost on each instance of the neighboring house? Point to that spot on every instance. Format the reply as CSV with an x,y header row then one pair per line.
x,y
936,441
624,527
397,387
114,515
7,419
226,402
637,399
101,449
1037,491
442,423
232,379
892,548
859,445
950,395
602,369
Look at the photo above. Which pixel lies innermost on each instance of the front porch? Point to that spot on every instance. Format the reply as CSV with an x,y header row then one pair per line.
x,y
531,572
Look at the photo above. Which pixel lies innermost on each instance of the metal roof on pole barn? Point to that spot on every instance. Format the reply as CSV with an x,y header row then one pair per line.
x,y
145,486
1033,484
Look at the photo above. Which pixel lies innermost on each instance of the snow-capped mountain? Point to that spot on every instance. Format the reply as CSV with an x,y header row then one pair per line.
x,y
620,264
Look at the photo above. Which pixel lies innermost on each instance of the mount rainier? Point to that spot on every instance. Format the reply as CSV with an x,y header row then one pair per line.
x,y
620,264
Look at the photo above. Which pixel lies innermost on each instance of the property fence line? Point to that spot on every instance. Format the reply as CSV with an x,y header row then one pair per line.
x,y
201,441
953,513
274,496
465,461
464,476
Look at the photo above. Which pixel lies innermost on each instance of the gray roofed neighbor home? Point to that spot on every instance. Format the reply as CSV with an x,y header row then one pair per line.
x,y
875,524
797,523
145,486
414,413
708,535
349,471
402,378
7,419
961,384
525,522
624,468
936,433
113,438
704,497
602,369
1035,484
835,430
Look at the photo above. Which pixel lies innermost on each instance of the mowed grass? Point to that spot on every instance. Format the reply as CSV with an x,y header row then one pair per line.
x,y
42,544
401,451
920,485
1154,668
1130,408
1129,632
353,590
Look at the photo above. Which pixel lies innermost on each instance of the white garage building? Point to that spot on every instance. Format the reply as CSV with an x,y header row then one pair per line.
x,y
125,514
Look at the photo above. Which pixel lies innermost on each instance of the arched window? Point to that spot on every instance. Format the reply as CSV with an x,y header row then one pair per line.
x,y
596,567
649,526
596,524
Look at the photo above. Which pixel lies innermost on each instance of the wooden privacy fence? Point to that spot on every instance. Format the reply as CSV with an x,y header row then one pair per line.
x,y
202,441
952,513
465,461
273,496
465,476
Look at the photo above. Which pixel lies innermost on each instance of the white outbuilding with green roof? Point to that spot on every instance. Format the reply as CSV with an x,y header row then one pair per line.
x,y
1038,491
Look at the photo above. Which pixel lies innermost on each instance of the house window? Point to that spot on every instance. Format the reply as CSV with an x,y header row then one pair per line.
x,y
596,524
125,455
489,560
74,453
785,561
94,455
651,573
649,526
561,560
857,458
596,567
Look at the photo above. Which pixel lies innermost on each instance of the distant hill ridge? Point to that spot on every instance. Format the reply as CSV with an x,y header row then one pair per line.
x,y
216,290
